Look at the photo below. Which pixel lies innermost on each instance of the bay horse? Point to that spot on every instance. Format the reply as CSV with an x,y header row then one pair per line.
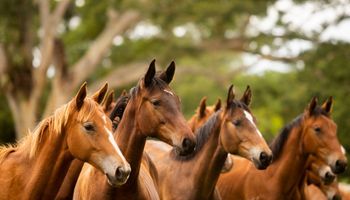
x,y
229,130
115,110
152,111
35,167
311,133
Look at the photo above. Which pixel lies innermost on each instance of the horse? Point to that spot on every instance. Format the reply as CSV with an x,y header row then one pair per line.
x,y
152,111
229,130
35,167
203,113
311,133
114,109
317,190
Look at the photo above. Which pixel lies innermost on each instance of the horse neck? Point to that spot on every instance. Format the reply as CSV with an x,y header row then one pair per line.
x,y
290,168
208,162
49,167
131,141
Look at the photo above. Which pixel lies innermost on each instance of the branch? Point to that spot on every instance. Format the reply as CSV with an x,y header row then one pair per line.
x,y
3,61
49,23
88,63
59,12
122,75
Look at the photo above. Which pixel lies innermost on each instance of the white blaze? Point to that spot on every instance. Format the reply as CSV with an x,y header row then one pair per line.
x,y
250,119
104,119
169,92
343,150
114,144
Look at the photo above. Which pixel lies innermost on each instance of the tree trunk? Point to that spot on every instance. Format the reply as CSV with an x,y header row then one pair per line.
x,y
24,115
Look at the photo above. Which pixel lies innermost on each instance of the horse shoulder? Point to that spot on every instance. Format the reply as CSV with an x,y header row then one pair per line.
x,y
12,168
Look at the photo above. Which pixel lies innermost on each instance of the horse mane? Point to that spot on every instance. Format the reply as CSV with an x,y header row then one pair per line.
x,y
277,144
202,135
53,124
203,132
119,109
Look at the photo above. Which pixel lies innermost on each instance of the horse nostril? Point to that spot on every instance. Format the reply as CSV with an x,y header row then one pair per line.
x,y
329,177
187,146
340,166
265,159
336,197
122,174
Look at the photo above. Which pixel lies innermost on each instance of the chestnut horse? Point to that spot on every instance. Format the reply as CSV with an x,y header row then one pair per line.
x,y
115,111
34,169
203,113
312,133
152,111
230,130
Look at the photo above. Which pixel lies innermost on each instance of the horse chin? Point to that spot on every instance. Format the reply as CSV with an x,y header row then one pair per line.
x,y
113,182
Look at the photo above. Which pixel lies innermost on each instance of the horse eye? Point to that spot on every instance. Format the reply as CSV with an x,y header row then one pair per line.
x,y
317,129
155,102
89,127
237,122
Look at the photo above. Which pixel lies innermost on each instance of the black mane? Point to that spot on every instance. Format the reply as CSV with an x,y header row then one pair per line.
x,y
277,144
209,127
202,135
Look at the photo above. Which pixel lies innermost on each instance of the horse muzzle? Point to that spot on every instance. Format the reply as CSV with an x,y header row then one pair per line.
x,y
120,176
263,161
339,166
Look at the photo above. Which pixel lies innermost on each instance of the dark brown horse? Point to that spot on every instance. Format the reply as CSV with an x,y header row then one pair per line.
x,y
34,169
152,111
230,130
312,133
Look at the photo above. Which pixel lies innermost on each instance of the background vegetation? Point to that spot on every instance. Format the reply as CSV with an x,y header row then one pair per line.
x,y
48,48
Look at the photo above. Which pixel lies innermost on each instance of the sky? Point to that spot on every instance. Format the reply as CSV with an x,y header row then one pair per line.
x,y
306,18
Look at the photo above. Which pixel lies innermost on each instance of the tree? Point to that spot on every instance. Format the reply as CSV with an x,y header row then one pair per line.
x,y
24,84
75,54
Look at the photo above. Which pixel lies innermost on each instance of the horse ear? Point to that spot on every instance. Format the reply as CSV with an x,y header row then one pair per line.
x,y
124,93
168,74
312,105
79,98
100,94
217,105
327,105
247,96
150,74
202,107
108,100
230,96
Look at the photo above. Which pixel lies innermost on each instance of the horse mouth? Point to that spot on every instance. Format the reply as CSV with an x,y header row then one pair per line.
x,y
260,165
114,182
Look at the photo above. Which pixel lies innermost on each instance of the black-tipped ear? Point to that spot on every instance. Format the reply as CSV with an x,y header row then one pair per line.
x,y
327,105
100,94
168,74
79,98
247,96
230,96
312,105
202,107
108,100
150,74
217,105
